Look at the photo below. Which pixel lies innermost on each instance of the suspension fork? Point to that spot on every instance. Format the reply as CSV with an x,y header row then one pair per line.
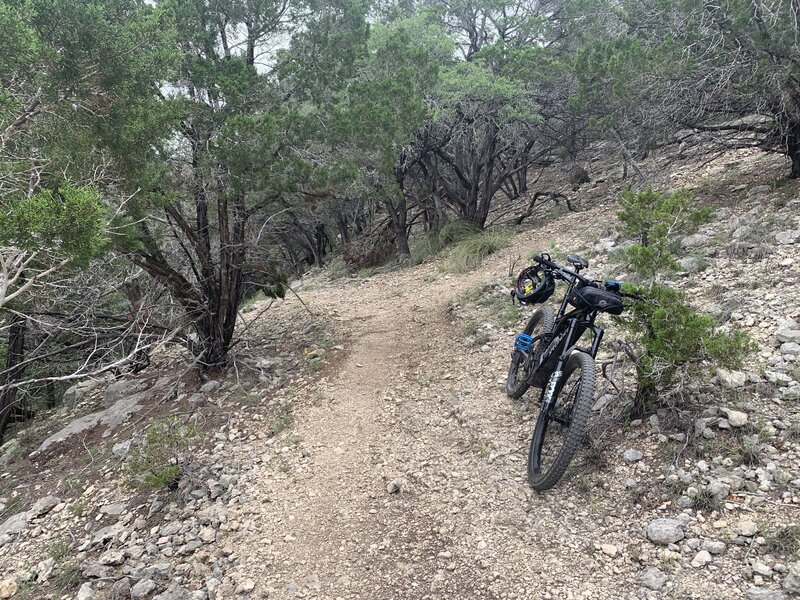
x,y
556,377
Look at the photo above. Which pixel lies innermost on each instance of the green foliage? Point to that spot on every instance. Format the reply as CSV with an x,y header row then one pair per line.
x,y
455,231
283,417
162,455
434,242
59,549
470,89
67,222
672,337
655,219
784,540
468,253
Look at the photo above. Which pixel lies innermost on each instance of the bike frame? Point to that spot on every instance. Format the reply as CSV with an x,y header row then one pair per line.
x,y
568,328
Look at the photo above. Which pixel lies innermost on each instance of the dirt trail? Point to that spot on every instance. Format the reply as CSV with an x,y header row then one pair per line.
x,y
407,407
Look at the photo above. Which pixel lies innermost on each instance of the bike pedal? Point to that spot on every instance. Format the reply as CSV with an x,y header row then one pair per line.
x,y
523,341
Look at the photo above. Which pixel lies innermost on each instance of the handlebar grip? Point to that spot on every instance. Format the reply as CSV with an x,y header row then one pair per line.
x,y
547,263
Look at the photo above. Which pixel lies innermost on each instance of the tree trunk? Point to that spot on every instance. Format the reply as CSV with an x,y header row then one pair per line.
x,y
398,216
793,150
15,354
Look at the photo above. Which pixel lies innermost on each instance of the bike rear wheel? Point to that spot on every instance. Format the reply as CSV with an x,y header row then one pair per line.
x,y
559,433
541,322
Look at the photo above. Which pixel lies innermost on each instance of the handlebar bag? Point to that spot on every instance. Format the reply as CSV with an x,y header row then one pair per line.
x,y
589,297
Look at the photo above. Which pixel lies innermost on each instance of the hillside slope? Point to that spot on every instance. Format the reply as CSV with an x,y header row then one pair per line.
x,y
401,473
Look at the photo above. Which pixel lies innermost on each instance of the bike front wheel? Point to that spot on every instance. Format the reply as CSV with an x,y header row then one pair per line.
x,y
559,432
540,323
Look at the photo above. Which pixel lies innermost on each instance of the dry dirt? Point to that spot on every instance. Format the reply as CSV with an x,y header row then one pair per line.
x,y
408,409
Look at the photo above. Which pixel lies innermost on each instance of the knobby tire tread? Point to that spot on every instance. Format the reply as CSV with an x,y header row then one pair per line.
x,y
580,417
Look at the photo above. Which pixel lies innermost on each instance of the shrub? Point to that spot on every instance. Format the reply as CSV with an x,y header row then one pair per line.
x,y
671,340
467,254
368,251
428,246
162,455
434,242
784,540
654,219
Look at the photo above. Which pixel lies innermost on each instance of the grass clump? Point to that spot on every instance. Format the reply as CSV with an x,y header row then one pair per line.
x,y
434,242
59,549
784,540
468,254
282,418
162,455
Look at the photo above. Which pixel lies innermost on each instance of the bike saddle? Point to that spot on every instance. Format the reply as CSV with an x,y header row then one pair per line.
x,y
577,261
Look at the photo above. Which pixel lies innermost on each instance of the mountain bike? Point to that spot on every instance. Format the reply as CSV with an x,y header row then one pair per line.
x,y
551,354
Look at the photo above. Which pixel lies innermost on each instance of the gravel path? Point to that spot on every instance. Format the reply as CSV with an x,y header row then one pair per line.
x,y
408,479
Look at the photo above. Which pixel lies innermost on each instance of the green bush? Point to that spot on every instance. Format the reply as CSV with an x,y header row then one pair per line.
x,y
162,455
454,231
671,342
467,254
434,242
428,246
672,338
655,219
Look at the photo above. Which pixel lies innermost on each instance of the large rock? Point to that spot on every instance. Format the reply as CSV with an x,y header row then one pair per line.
x,y
690,264
788,331
122,389
758,190
736,418
44,505
665,531
632,455
653,578
731,379
8,587
701,559
788,237
694,241
14,524
747,528
110,418
142,589
787,349
78,392
757,593
9,450
175,592
791,583
85,593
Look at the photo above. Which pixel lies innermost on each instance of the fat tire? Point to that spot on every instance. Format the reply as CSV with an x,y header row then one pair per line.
x,y
515,388
580,416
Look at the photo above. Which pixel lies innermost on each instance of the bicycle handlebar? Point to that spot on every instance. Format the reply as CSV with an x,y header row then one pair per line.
x,y
558,269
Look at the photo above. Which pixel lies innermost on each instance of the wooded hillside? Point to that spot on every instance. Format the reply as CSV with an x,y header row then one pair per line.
x,y
162,162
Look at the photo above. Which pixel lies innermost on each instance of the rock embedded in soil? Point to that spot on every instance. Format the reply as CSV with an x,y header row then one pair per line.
x,y
701,559
142,589
788,331
632,455
747,528
44,505
713,546
757,593
8,587
653,578
736,418
731,379
791,583
665,531
85,593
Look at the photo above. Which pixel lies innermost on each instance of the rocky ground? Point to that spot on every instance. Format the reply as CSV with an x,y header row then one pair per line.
x,y
378,456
